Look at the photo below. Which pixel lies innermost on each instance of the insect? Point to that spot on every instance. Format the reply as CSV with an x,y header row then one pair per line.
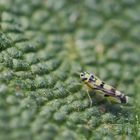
x,y
94,83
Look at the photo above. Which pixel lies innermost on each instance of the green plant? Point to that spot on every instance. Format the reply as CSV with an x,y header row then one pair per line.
x,y
44,44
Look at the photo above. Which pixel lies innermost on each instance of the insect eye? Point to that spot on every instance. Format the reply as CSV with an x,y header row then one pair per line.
x,y
82,74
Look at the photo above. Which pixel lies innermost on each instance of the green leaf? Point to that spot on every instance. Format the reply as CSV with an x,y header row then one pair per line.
x,y
44,45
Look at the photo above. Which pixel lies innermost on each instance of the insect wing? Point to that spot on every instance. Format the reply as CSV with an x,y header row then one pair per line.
x,y
107,92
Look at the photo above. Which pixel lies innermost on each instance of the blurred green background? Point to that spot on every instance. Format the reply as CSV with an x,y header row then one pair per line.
x,y
44,44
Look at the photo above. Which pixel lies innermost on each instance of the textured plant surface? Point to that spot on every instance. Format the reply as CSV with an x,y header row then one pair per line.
x,y
44,44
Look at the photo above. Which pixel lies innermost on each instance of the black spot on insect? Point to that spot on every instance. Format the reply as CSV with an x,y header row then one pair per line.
x,y
92,78
106,95
113,90
123,99
102,85
84,79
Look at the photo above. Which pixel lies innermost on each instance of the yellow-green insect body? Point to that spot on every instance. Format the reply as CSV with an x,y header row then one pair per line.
x,y
94,83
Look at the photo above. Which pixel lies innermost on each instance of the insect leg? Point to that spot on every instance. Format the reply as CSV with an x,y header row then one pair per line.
x,y
89,98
